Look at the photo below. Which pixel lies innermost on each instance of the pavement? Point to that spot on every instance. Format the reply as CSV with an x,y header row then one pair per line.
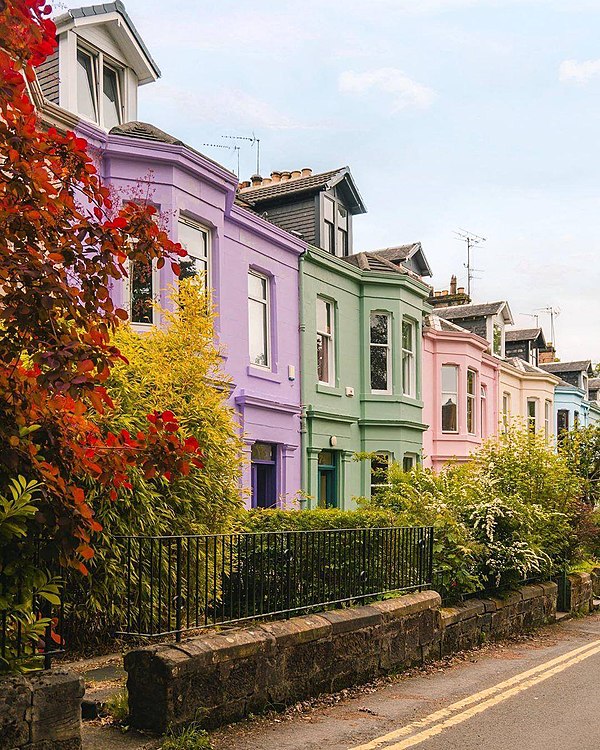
x,y
539,692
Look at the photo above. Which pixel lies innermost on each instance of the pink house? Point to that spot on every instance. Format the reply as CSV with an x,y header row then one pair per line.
x,y
460,392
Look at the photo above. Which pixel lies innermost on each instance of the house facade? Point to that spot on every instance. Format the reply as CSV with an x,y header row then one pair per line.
x,y
249,265
460,392
572,405
362,361
527,397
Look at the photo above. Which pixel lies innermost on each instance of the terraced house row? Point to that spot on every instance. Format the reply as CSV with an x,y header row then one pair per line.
x,y
334,352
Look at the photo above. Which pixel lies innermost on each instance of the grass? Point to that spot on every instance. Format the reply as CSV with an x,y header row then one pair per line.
x,y
190,738
117,706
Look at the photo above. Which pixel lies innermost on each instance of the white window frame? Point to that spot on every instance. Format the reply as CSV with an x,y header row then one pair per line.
x,y
329,338
410,356
450,393
99,61
183,219
471,403
505,411
547,418
533,401
388,349
266,303
138,326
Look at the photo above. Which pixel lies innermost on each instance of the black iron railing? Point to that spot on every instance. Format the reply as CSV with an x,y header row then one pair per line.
x,y
180,583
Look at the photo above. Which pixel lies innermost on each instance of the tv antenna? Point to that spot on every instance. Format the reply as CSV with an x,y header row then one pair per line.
x,y
254,141
471,240
553,312
236,149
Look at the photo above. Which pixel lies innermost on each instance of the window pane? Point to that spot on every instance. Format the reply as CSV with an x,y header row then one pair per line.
x,y
449,414
342,217
257,286
470,382
86,94
470,415
262,452
328,209
323,316
195,241
342,243
323,359
191,267
531,408
326,458
407,336
408,463
379,328
257,324
141,292
379,362
111,103
449,378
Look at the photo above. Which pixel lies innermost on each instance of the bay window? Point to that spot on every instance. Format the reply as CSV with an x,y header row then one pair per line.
x,y
325,342
449,398
380,353
408,359
258,319
471,379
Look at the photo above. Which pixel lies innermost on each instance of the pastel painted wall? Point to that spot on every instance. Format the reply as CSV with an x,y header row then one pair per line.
x,y
572,399
467,352
520,385
346,418
182,183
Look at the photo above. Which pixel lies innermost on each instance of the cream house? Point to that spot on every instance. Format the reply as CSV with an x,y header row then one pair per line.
x,y
526,395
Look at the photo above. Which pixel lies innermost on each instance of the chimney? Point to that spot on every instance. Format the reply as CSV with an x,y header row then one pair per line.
x,y
285,176
548,354
306,172
453,284
245,185
256,180
276,176
296,173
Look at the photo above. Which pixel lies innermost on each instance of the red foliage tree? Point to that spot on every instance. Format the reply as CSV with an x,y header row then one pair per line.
x,y
62,245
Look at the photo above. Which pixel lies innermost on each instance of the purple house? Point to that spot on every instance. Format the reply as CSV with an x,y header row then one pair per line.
x,y
91,85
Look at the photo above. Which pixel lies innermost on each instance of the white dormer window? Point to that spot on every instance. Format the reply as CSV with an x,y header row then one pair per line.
x,y
99,96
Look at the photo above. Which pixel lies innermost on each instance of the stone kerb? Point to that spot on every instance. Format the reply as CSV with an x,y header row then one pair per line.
x,y
41,711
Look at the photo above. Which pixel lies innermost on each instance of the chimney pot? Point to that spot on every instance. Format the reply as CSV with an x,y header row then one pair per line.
x,y
256,180
461,290
266,181
437,294
245,185
295,174
306,172
453,284
276,176
445,293
285,176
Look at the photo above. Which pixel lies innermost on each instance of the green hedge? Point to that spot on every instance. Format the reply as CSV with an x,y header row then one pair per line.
x,y
260,519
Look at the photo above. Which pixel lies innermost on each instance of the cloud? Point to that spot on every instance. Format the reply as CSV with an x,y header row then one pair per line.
x,y
402,90
227,108
580,73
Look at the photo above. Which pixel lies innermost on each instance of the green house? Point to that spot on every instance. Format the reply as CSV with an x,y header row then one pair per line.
x,y
361,325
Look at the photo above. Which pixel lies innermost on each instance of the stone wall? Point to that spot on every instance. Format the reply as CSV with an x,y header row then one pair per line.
x,y
581,593
41,711
221,677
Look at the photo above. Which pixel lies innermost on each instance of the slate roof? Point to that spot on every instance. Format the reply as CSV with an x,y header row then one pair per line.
x,y
404,252
373,262
522,334
147,132
302,185
594,384
457,312
583,365
103,9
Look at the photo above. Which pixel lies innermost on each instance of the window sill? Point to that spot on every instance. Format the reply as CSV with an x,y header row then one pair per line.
x,y
329,389
258,372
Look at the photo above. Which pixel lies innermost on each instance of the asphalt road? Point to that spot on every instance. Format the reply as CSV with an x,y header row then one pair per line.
x,y
538,694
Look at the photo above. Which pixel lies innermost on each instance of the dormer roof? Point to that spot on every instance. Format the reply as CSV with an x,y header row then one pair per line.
x,y
583,365
461,312
287,189
526,334
403,253
115,17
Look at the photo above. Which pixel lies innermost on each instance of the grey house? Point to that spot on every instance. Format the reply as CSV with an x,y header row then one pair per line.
x,y
488,321
525,343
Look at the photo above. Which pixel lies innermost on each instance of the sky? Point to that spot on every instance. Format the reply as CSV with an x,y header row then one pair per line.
x,y
451,114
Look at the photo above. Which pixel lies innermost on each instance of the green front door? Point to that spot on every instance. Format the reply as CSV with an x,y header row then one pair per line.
x,y
328,479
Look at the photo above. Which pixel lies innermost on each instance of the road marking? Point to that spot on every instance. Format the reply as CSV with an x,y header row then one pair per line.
x,y
485,699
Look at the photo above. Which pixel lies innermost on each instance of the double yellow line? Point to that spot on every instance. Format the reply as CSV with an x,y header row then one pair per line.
x,y
434,724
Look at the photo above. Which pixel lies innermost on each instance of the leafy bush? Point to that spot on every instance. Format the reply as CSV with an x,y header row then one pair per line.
x,y
177,367
581,451
259,519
